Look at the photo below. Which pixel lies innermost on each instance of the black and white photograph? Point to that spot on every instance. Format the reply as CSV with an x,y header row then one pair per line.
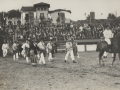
x,y
59,44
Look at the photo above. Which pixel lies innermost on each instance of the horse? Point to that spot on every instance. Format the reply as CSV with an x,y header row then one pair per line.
x,y
102,46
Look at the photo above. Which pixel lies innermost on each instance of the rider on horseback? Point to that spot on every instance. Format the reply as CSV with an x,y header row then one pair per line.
x,y
108,35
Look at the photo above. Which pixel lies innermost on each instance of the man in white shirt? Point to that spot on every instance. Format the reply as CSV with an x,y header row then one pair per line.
x,y
27,52
23,51
5,49
81,28
41,46
69,50
108,35
49,50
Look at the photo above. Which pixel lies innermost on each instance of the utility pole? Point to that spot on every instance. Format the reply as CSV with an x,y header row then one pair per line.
x,y
4,23
116,13
90,19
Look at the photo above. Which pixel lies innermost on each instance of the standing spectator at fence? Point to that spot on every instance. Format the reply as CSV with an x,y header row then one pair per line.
x,y
69,50
5,49
15,51
81,28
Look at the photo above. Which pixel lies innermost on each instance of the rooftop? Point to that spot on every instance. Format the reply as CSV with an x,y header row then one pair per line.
x,y
42,4
59,10
28,8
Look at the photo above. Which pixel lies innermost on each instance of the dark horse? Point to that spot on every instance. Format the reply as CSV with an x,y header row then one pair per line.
x,y
102,46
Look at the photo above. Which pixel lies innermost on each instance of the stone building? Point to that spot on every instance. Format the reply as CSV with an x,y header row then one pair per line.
x,y
34,13
60,16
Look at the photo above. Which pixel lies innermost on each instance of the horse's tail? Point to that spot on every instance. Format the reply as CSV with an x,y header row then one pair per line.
x,y
97,49
102,45
101,54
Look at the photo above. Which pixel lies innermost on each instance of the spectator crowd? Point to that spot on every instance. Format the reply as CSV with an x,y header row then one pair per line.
x,y
62,32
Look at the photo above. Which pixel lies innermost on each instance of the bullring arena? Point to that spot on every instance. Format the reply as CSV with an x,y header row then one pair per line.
x,y
86,74
37,37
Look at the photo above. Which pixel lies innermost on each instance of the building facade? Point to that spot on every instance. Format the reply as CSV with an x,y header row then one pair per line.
x,y
60,16
14,21
34,13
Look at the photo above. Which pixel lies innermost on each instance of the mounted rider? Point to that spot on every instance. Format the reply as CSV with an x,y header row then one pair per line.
x,y
108,35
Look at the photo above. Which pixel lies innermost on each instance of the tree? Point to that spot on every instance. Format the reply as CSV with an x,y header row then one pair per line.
x,y
14,13
111,16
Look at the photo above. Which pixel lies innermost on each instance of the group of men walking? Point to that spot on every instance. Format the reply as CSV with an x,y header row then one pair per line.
x,y
35,52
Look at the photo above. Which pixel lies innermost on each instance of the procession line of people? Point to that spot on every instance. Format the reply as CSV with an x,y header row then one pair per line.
x,y
34,52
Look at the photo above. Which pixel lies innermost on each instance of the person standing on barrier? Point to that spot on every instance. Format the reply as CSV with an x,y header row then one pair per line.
x,y
69,50
5,49
41,46
108,35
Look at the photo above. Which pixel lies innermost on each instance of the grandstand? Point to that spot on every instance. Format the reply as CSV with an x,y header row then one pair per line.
x,y
85,32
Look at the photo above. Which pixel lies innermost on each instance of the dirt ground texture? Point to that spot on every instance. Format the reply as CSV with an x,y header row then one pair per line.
x,y
86,74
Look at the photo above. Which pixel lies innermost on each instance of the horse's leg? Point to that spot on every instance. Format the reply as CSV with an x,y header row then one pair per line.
x,y
99,60
119,55
114,58
100,56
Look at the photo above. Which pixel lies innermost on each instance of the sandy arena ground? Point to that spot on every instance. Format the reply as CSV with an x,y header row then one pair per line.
x,y
86,74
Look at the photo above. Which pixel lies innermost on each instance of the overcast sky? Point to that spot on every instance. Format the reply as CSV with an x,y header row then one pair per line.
x,y
77,7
